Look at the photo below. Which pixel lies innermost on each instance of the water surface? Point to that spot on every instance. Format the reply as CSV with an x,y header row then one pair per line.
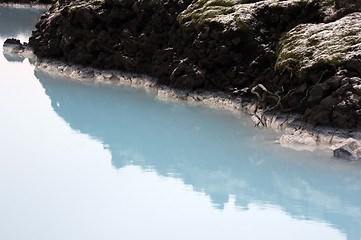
x,y
85,161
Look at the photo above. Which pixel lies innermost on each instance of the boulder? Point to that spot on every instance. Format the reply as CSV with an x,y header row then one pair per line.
x,y
312,54
12,41
310,47
350,151
13,45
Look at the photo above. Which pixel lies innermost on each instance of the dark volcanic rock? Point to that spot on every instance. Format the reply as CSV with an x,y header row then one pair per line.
x,y
12,41
350,151
345,152
136,36
221,45
161,38
14,44
347,3
326,57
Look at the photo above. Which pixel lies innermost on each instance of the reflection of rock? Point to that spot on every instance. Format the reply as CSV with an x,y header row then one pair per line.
x,y
13,45
296,134
17,22
13,57
220,162
11,49
15,51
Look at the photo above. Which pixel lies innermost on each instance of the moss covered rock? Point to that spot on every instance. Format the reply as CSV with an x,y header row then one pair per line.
x,y
238,14
326,57
224,45
309,47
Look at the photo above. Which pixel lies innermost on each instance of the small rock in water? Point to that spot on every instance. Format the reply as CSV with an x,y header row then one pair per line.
x,y
12,41
347,152
14,44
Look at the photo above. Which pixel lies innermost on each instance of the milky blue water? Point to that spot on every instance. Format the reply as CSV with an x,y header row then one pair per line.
x,y
85,161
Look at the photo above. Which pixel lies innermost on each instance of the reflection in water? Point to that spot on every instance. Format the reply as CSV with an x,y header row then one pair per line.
x,y
13,57
18,22
209,150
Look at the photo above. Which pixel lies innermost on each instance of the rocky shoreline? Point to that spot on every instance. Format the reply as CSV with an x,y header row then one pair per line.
x,y
301,56
294,64
293,132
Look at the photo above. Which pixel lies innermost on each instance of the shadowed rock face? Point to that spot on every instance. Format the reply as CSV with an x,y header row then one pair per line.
x,y
216,45
137,36
159,38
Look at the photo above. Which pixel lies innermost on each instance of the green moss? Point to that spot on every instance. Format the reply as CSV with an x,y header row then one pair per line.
x,y
229,13
327,2
204,11
313,46
222,3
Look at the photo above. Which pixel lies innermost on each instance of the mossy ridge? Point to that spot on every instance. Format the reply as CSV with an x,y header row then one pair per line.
x,y
94,4
311,46
229,13
206,11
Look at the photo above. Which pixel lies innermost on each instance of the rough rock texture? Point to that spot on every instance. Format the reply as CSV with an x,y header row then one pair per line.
x,y
294,55
14,44
350,151
137,36
328,55
27,1
310,46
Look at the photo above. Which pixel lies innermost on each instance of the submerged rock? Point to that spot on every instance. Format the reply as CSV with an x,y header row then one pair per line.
x,y
350,151
345,152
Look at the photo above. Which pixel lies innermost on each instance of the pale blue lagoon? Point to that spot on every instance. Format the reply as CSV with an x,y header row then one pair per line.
x,y
80,160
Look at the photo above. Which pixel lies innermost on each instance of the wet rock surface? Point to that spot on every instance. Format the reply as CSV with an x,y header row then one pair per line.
x,y
296,55
350,151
